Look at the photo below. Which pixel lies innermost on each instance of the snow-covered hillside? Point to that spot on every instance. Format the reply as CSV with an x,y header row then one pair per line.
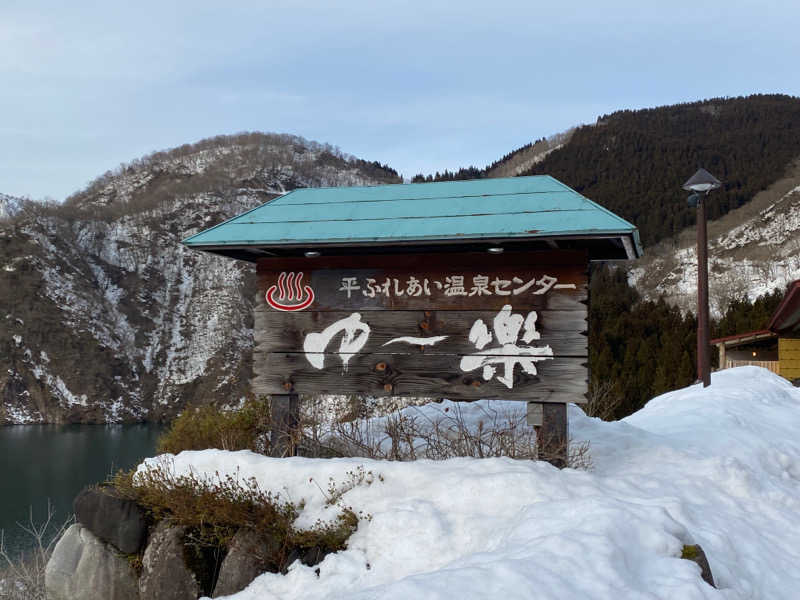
x,y
9,205
719,467
524,159
748,257
106,317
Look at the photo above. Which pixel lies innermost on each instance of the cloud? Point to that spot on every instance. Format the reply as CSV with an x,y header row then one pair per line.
x,y
408,83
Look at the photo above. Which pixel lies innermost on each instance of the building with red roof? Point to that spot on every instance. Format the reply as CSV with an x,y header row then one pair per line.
x,y
776,348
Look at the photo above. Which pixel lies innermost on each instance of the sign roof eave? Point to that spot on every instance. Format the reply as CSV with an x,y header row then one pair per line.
x,y
517,208
432,238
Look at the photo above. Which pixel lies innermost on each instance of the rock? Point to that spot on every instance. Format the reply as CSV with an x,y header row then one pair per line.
x,y
248,556
165,575
115,520
314,555
696,554
83,567
310,557
294,554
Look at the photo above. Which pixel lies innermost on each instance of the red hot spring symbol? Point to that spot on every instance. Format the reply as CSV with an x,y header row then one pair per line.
x,y
289,288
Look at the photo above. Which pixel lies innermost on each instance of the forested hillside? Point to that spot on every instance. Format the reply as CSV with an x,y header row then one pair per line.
x,y
634,162
642,348
108,318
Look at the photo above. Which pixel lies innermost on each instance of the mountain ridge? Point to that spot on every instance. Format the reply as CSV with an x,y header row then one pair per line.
x,y
752,251
106,317
635,162
751,143
9,206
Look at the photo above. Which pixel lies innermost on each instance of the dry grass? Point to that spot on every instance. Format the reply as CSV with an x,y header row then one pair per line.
x,y
22,577
213,510
603,402
413,434
354,427
202,427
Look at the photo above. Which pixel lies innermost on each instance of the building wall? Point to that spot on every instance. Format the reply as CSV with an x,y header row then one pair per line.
x,y
752,353
789,351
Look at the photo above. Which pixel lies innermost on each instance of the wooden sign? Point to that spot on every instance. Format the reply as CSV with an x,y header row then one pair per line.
x,y
462,326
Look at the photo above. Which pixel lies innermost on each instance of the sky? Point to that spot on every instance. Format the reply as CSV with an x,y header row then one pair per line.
x,y
421,86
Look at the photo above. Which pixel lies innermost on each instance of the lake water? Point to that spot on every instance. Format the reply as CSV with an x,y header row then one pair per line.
x,y
41,462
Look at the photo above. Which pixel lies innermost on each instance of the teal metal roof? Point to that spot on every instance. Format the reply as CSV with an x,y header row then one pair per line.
x,y
513,208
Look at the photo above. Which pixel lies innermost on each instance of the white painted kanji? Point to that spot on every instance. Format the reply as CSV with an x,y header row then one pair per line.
x,y
507,354
355,335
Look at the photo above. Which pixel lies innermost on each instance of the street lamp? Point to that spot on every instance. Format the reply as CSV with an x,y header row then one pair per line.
x,y
701,184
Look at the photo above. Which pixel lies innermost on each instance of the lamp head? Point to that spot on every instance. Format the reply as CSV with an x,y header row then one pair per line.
x,y
701,182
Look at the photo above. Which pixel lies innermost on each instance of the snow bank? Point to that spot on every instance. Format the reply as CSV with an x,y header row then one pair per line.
x,y
717,466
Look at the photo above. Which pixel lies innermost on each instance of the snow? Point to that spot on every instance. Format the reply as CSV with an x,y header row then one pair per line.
x,y
9,206
55,384
718,466
173,317
115,411
750,259
773,227
22,415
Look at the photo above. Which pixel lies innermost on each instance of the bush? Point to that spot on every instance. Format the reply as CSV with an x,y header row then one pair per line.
x,y
213,510
413,434
203,427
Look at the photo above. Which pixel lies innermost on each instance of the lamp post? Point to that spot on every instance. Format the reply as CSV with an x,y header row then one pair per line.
x,y
701,184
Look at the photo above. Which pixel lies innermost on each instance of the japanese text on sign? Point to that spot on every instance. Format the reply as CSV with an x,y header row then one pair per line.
x,y
454,285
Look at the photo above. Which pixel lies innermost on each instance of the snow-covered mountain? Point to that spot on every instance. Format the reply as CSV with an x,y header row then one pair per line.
x,y
525,158
9,206
106,317
752,250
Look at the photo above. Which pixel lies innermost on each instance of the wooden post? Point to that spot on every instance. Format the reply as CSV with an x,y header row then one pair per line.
x,y
703,362
552,436
285,413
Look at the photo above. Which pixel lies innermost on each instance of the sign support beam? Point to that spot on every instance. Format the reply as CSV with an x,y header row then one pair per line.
x,y
552,436
285,434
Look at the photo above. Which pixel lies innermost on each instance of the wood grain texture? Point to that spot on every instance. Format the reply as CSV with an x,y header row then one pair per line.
x,y
563,331
552,436
285,417
558,380
327,302
431,284
402,369
330,297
